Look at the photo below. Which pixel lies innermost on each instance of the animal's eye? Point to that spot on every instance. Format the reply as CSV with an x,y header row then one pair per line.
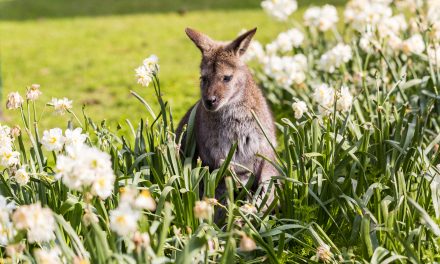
x,y
227,78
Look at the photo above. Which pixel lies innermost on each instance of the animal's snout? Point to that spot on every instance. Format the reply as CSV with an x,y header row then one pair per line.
x,y
210,102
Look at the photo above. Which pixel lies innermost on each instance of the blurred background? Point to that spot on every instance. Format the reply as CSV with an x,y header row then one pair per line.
x,y
87,50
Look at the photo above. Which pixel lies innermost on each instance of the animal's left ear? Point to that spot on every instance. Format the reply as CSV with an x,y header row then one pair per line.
x,y
241,43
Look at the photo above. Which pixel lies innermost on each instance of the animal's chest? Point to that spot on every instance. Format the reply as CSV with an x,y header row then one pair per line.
x,y
218,139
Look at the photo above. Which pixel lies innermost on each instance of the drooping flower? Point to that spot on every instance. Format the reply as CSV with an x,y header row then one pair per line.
x,y
322,18
15,131
61,106
21,176
299,108
345,100
203,210
37,221
323,253
14,101
247,244
123,220
145,201
279,9
33,92
53,139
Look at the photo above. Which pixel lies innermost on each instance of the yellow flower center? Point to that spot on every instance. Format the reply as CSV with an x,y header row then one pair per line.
x,y
120,219
145,193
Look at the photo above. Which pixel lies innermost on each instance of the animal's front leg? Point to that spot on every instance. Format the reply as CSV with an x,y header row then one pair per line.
x,y
220,195
267,185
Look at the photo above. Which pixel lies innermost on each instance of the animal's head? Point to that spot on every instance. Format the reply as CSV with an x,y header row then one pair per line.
x,y
223,74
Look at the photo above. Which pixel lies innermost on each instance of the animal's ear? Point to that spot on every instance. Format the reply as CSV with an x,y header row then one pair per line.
x,y
203,42
241,43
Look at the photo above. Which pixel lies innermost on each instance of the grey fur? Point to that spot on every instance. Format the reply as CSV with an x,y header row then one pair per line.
x,y
230,119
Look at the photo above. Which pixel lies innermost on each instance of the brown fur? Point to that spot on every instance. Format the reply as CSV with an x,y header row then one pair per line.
x,y
228,119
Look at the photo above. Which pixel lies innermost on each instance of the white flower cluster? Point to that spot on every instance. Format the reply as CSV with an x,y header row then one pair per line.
x,y
286,70
123,220
279,9
369,16
392,26
38,222
8,157
322,18
335,58
53,139
147,70
325,96
363,13
286,41
82,167
86,168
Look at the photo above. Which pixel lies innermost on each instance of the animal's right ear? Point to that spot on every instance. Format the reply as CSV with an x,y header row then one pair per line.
x,y
203,42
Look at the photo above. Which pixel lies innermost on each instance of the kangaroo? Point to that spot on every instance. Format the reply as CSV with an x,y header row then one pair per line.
x,y
224,112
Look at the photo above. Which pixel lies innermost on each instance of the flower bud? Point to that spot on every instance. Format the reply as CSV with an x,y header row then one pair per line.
x,y
14,101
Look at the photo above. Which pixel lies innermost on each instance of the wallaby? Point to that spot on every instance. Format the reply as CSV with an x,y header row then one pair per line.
x,y
224,113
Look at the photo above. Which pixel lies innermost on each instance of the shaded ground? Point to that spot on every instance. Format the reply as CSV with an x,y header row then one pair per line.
x,y
37,9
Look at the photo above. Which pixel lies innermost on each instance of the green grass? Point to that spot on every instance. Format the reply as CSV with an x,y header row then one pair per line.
x,y
360,182
87,50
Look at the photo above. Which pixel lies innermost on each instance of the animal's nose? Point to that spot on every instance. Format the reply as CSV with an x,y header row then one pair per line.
x,y
210,101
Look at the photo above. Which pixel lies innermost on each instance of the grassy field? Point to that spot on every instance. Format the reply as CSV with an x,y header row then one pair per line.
x,y
357,167
87,50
